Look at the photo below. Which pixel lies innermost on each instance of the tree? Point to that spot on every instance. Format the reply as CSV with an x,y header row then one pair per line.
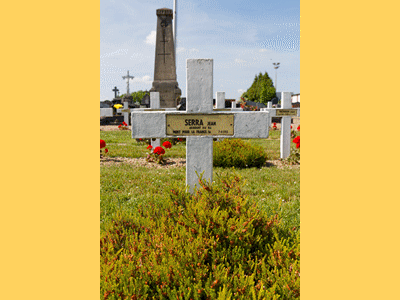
x,y
262,90
137,96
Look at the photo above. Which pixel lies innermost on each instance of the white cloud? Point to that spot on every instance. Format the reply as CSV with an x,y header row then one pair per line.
x,y
151,38
145,79
241,91
118,52
182,49
240,61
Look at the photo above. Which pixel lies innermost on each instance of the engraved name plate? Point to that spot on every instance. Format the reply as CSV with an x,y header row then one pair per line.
x,y
199,124
286,112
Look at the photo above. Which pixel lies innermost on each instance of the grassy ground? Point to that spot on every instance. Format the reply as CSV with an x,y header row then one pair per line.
x,y
124,187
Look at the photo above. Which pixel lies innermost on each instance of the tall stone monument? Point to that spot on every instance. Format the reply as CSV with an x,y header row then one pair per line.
x,y
164,67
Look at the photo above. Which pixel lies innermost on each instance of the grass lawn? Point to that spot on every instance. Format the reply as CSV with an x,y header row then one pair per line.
x,y
124,187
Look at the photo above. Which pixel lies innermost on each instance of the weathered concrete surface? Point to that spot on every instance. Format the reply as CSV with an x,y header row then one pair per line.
x,y
152,124
285,125
199,85
155,104
220,100
199,158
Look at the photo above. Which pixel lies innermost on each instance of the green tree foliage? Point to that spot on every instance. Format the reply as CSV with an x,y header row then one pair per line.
x,y
138,95
262,90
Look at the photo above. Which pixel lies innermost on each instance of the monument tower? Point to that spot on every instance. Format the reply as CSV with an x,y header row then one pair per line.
x,y
164,67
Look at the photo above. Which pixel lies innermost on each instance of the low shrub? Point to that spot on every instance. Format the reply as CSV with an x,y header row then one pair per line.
x,y
210,245
238,153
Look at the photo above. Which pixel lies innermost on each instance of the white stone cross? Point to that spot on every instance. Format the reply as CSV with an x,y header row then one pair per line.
x,y
286,112
199,124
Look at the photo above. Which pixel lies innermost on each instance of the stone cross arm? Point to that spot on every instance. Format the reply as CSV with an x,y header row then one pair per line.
x,y
153,124
282,112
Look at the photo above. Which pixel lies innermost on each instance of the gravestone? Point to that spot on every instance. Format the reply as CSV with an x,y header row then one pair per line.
x,y
220,100
164,66
155,104
106,112
199,124
145,101
286,112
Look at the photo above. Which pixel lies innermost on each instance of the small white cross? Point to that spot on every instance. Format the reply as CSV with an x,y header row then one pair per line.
x,y
286,112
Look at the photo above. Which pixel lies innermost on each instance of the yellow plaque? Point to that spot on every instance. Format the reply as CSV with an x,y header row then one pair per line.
x,y
199,124
286,112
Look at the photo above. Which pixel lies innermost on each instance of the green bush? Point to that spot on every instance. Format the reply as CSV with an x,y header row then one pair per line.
x,y
210,245
238,153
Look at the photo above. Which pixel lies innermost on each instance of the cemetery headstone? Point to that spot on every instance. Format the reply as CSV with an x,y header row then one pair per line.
x,y
286,112
155,104
164,66
199,124
220,102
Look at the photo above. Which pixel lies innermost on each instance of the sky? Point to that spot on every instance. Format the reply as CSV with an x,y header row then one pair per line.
x,y
243,37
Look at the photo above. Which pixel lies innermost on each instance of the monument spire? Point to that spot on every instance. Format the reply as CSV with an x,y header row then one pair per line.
x,y
175,20
164,66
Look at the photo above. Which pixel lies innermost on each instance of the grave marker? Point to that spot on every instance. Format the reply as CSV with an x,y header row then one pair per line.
x,y
155,104
200,121
286,112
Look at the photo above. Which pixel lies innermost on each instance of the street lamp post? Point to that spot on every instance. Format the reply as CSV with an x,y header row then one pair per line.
x,y
276,66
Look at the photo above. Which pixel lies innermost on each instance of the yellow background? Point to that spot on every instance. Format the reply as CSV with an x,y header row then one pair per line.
x,y
49,216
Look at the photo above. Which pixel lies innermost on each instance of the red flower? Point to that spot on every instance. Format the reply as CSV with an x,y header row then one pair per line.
x,y
291,127
105,150
298,128
297,141
119,126
150,147
274,126
102,144
140,139
124,123
159,151
167,144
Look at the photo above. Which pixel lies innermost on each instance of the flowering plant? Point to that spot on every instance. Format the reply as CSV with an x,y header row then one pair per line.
x,y
123,126
245,107
274,127
294,157
297,141
156,155
103,145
